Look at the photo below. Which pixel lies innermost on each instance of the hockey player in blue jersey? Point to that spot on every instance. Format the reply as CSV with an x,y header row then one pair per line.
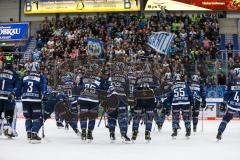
x,y
165,88
89,101
231,102
144,92
181,100
117,94
9,82
33,90
199,99
69,99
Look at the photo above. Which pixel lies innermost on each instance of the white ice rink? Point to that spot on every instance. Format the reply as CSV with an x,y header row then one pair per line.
x,y
60,144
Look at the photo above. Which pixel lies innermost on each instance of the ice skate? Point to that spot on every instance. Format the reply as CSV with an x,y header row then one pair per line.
x,y
112,137
134,135
35,138
174,134
89,136
125,139
147,136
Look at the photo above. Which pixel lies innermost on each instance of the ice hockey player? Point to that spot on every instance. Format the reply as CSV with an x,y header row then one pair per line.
x,y
231,102
9,82
131,100
33,90
89,85
181,100
165,88
144,88
199,99
66,97
118,91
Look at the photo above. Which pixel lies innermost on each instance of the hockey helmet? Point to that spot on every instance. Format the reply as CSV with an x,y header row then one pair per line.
x,y
195,78
177,77
94,67
147,67
237,72
34,67
168,75
8,65
120,66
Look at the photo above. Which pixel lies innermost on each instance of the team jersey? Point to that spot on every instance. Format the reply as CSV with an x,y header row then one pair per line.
x,y
9,82
165,90
232,95
145,86
34,85
118,84
132,81
180,94
197,92
90,86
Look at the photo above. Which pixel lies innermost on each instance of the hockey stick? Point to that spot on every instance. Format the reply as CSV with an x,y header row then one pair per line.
x,y
2,122
43,133
14,123
101,117
202,119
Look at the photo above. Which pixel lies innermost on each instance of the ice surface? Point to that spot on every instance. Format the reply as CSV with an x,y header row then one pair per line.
x,y
60,144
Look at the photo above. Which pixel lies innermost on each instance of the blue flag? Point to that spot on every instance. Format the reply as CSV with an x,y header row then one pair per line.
x,y
160,41
95,47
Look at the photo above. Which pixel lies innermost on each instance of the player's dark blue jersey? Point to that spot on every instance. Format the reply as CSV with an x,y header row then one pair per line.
x,y
165,90
232,95
131,81
180,94
90,86
9,82
198,92
34,85
145,86
118,84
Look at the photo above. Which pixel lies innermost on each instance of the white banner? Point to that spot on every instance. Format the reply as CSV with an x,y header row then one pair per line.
x,y
160,41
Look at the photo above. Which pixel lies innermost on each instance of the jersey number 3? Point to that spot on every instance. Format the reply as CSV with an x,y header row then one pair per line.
x,y
30,87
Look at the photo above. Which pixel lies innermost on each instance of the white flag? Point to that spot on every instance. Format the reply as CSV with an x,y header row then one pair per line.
x,y
160,41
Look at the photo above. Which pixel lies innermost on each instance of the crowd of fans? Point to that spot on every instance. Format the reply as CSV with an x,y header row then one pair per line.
x,y
196,41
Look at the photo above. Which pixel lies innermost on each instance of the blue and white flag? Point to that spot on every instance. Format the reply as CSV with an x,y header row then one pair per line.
x,y
95,47
160,41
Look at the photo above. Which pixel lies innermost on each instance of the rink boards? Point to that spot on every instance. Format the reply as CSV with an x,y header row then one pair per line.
x,y
211,112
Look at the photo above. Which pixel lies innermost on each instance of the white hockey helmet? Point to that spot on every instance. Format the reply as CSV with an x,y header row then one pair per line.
x,y
168,75
195,78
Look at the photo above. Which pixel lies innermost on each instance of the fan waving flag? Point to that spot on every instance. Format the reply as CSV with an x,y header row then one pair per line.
x,y
160,41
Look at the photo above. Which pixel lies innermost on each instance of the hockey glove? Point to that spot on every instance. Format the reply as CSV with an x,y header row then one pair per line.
x,y
159,105
11,96
203,105
44,98
166,111
223,107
